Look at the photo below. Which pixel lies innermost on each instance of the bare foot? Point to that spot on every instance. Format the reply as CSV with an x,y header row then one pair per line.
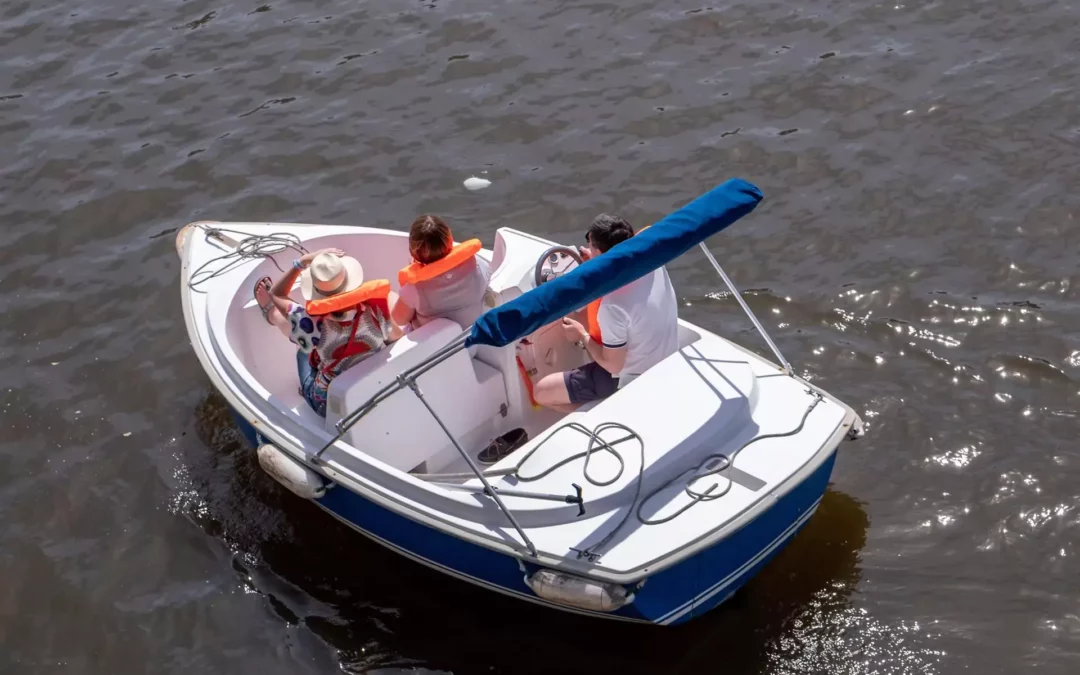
x,y
270,311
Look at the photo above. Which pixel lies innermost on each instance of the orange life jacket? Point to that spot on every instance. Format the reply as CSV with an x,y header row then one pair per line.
x,y
592,320
375,292
418,271
376,289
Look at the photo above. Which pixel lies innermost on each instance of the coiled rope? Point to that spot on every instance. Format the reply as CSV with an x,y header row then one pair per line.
x,y
700,471
711,465
251,247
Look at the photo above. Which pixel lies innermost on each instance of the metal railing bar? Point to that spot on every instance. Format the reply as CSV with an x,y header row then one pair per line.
x,y
407,378
746,308
488,489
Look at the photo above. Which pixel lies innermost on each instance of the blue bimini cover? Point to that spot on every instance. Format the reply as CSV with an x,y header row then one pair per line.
x,y
621,264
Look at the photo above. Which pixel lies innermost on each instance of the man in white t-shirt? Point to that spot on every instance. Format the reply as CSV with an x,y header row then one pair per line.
x,y
638,329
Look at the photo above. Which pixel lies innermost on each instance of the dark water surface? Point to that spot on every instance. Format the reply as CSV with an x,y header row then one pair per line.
x,y
916,255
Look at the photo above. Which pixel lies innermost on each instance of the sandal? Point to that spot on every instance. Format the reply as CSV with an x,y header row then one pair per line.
x,y
267,283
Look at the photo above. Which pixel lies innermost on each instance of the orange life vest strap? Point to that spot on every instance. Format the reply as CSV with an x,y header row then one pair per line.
x,y
376,289
352,348
592,320
418,271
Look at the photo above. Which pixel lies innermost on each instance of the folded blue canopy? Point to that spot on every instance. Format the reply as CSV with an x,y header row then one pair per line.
x,y
621,264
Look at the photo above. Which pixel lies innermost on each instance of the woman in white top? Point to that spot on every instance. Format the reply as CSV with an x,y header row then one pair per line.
x,y
444,280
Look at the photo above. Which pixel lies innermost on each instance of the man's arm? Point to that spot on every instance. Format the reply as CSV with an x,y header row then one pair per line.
x,y
611,359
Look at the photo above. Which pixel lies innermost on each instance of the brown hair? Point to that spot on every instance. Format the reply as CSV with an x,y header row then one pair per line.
x,y
429,239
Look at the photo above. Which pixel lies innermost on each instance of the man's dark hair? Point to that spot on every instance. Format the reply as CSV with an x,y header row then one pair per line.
x,y
607,230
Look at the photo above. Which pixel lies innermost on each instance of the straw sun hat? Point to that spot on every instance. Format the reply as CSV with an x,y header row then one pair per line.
x,y
330,275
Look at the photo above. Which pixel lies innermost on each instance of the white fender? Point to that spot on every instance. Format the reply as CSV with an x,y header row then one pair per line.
x,y
299,479
857,429
568,589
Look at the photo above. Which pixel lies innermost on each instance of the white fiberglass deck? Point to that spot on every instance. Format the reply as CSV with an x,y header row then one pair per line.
x,y
711,397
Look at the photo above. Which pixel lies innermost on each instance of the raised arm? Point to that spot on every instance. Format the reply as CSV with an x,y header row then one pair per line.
x,y
280,291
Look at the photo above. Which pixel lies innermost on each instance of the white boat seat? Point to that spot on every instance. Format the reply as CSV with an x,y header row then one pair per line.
x,y
689,405
467,395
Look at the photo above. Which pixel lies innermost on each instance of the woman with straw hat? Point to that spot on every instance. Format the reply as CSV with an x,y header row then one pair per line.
x,y
343,319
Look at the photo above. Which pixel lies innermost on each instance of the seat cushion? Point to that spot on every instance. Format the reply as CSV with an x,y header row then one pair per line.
x,y
400,431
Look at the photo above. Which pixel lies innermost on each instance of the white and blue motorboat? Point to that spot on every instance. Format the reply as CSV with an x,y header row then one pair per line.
x,y
653,505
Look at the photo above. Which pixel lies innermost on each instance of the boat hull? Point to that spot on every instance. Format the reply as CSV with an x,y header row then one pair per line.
x,y
686,590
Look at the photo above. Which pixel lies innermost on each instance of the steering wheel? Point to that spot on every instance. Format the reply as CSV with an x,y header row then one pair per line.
x,y
558,260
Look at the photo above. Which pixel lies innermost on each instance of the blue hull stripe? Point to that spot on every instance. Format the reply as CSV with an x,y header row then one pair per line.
x,y
673,595
480,582
726,581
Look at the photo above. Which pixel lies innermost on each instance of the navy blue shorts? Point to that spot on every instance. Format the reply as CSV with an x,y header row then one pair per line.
x,y
589,383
